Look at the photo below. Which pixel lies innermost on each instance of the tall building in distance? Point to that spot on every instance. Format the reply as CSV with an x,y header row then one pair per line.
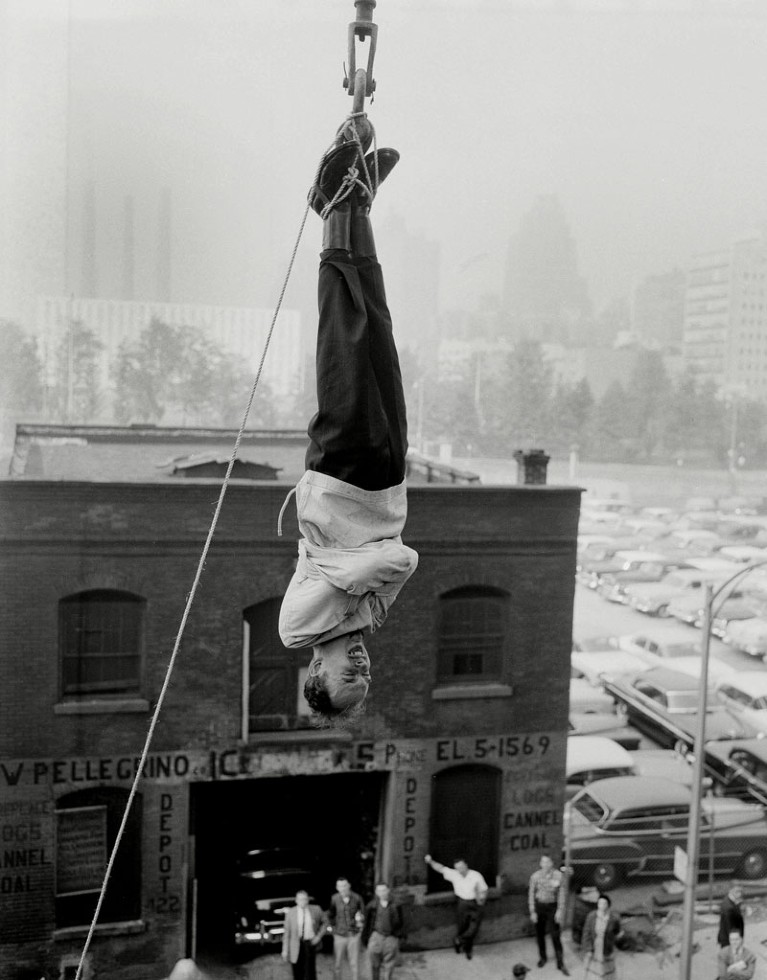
x,y
34,106
544,294
725,321
657,315
239,331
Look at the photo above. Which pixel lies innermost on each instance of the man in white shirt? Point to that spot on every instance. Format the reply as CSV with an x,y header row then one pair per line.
x,y
304,928
471,893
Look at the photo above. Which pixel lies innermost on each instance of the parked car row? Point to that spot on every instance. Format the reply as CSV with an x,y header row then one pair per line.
x,y
660,561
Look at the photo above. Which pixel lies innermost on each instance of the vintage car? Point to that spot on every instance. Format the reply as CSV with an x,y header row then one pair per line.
x,y
265,887
654,598
663,703
592,757
626,560
613,585
738,768
610,726
666,642
586,699
596,665
749,635
744,694
632,825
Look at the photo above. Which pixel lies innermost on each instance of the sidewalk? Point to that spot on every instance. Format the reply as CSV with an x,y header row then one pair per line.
x,y
494,961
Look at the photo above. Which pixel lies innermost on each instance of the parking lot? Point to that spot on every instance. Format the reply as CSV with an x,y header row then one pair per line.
x,y
704,547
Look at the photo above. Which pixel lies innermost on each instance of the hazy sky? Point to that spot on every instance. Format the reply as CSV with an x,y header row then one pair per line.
x,y
647,119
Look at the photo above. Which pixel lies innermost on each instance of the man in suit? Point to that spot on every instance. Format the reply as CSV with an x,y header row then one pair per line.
x,y
345,917
382,932
735,961
304,929
730,914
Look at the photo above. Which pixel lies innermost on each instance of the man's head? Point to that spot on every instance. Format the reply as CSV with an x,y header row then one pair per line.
x,y
343,886
736,937
302,899
519,970
382,891
546,863
603,903
338,679
736,892
461,867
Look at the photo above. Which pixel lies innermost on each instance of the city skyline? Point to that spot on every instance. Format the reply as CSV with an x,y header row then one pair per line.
x,y
652,155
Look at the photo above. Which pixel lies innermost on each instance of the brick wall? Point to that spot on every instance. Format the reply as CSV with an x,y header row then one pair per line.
x,y
60,538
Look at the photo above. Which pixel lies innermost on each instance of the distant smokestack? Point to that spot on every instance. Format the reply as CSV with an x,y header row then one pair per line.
x,y
129,263
163,247
89,285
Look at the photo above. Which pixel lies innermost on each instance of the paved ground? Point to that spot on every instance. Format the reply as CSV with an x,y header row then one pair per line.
x,y
495,961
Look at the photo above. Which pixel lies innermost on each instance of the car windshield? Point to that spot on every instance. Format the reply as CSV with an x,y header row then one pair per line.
x,y
596,643
682,702
588,807
681,649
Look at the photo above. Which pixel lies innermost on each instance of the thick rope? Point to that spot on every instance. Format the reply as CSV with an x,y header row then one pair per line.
x,y
193,591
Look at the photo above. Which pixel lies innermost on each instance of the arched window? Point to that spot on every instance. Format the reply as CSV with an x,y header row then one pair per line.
x,y
465,817
101,638
276,674
472,629
86,826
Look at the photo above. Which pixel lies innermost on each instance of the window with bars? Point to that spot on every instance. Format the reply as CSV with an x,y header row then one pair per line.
x,y
101,642
275,674
472,630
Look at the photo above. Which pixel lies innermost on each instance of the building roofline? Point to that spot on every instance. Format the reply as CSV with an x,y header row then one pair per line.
x,y
150,433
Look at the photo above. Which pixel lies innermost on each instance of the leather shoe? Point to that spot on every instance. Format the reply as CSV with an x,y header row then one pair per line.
x,y
469,954
364,132
457,945
541,963
387,161
332,176
563,969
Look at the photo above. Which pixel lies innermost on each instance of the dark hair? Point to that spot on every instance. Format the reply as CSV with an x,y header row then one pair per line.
x,y
460,860
325,713
606,898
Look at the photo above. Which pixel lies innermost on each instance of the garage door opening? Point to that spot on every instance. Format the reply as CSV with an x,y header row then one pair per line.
x,y
262,839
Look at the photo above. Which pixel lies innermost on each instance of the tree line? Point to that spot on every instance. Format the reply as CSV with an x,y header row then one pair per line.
x,y
169,375
650,416
174,375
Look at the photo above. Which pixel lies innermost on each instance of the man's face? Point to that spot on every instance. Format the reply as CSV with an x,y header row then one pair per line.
x,y
735,939
462,868
343,887
302,899
736,894
382,893
546,864
345,665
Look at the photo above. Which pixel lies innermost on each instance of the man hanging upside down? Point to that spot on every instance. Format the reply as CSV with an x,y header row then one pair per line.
x,y
352,499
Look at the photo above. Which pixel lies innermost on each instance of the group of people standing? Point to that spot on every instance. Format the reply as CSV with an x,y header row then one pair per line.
x,y
377,926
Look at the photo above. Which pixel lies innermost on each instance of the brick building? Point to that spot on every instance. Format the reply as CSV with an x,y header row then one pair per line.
x,y
461,750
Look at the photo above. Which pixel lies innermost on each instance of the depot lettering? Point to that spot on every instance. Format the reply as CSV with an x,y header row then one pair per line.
x,y
66,771
529,828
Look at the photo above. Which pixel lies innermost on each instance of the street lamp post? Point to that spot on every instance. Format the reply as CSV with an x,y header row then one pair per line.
x,y
693,831
693,834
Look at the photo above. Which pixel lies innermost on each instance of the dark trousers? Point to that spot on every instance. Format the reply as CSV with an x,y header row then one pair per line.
x,y
468,916
546,912
305,967
359,434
